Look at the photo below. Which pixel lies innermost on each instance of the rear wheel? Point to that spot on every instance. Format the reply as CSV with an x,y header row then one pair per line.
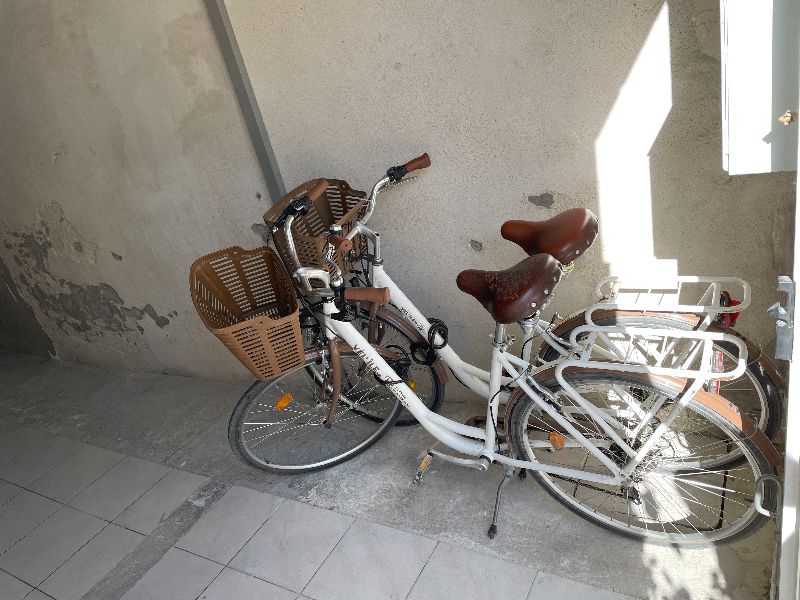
x,y
674,497
278,425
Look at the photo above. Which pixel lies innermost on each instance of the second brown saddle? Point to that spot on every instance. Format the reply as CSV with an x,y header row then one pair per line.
x,y
565,237
514,293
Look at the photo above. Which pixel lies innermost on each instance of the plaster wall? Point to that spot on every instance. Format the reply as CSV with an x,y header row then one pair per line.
x,y
511,100
124,155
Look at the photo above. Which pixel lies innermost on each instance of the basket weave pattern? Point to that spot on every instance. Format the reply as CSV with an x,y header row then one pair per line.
x,y
340,205
246,299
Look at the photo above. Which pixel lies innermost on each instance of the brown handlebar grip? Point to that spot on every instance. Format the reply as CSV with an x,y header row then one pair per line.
x,y
339,243
318,190
421,162
374,295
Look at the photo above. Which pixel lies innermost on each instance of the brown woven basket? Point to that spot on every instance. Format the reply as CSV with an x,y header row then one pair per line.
x,y
340,205
246,299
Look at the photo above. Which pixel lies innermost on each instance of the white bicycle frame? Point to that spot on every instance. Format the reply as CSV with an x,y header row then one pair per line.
x,y
482,444
613,293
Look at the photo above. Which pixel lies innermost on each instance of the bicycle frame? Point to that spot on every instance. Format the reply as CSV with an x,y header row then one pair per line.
x,y
608,289
483,444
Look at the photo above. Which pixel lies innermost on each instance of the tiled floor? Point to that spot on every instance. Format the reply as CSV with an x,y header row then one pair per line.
x,y
73,516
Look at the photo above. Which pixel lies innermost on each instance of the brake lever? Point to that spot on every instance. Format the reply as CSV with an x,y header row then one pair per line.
x,y
405,179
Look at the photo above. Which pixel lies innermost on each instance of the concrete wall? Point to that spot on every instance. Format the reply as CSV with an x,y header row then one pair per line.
x,y
124,155
527,109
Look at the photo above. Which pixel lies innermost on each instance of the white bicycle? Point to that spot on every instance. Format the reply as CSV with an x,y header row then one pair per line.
x,y
630,444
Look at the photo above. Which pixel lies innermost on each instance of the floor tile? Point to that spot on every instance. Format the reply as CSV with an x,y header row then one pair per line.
x,y
76,473
90,564
292,544
119,488
158,502
38,460
454,573
547,585
48,546
177,576
21,515
8,491
12,588
383,561
232,585
17,439
224,529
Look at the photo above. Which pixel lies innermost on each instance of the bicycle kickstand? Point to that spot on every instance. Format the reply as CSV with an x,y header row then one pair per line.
x,y
506,478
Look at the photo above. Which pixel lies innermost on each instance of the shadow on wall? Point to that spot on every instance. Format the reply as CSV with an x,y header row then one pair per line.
x,y
664,199
704,219
19,329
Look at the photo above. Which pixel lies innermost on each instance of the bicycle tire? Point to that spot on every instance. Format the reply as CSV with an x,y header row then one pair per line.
x,y
747,524
339,451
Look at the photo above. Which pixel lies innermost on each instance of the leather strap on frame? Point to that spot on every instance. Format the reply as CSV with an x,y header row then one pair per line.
x,y
375,295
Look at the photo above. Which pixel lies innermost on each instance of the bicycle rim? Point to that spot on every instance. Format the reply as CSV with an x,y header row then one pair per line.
x,y
674,498
279,425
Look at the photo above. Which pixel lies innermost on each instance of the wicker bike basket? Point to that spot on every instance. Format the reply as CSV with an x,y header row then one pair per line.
x,y
246,299
339,205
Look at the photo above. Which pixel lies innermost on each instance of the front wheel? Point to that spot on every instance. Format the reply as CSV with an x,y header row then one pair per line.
x,y
673,497
279,425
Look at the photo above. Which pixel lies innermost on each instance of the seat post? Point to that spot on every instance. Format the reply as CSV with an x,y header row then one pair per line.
x,y
499,333
495,381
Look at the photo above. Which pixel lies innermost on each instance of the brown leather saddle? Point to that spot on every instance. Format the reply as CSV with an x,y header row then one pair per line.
x,y
515,293
565,237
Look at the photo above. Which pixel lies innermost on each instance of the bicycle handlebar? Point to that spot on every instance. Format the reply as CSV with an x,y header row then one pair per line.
x,y
423,161
339,243
397,173
393,175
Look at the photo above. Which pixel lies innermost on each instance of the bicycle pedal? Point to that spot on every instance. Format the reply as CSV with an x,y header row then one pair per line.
x,y
423,468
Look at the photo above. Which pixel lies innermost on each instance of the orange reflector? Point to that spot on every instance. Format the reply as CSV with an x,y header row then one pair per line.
x,y
557,440
283,401
412,384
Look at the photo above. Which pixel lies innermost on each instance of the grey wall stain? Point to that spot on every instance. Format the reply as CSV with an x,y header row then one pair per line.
x,y
475,245
33,246
59,152
545,200
184,45
262,231
92,311
19,329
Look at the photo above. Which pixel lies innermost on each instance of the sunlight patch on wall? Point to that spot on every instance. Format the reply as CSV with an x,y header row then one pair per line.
x,y
623,163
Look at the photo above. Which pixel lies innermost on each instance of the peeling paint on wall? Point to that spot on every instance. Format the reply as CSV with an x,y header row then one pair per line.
x,y
89,311
545,200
